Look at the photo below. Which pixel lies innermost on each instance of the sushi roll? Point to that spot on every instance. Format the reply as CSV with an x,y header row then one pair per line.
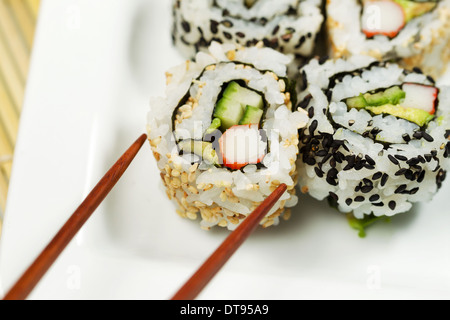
x,y
289,26
226,135
415,32
378,136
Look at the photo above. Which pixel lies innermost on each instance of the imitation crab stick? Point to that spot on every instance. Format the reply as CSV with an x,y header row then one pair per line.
x,y
242,145
383,17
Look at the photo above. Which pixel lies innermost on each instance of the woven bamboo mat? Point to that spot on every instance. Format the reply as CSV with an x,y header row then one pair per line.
x,y
17,24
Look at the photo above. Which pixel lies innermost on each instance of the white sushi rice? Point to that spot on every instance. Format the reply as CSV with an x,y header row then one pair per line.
x,y
289,26
216,195
423,42
381,173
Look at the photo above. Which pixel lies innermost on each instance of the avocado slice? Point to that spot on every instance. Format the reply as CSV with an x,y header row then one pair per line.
x,y
243,95
415,9
417,116
252,115
203,149
230,112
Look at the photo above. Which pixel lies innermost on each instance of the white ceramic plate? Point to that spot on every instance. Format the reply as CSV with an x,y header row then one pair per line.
x,y
94,67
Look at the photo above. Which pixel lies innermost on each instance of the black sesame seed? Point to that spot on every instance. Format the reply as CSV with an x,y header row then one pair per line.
x,y
384,179
360,199
334,196
313,127
428,157
275,30
400,157
227,35
321,153
186,26
413,161
319,172
377,176
380,204
351,123
339,157
375,198
240,34
333,163
393,160
401,188
400,172
370,160
409,175
431,79
300,42
311,112
326,158
427,137
349,201
447,134
309,160
366,189
333,173
214,27
323,59
414,191
305,102
327,141
332,182
375,131
417,70
392,205
359,165
406,137
418,134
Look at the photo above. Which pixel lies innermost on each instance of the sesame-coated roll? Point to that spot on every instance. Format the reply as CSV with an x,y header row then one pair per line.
x,y
415,31
289,26
226,135
377,139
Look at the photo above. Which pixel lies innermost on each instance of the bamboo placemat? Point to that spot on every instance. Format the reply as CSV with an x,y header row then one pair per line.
x,y
17,24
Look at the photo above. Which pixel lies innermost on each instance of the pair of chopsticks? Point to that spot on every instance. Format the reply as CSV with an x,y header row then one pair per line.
x,y
193,286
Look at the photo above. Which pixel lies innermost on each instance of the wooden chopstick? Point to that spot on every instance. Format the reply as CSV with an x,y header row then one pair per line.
x,y
36,271
217,260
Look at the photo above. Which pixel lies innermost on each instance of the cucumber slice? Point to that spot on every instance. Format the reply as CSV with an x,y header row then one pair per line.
x,y
215,125
252,115
357,102
244,96
389,96
229,112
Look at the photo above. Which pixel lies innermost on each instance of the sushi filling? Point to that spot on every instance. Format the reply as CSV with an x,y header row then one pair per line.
x,y
389,17
389,115
413,102
235,137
